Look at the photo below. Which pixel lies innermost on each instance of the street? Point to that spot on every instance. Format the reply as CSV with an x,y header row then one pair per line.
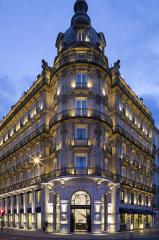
x,y
120,236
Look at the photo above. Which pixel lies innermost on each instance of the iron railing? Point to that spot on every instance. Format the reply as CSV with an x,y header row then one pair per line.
x,y
75,172
80,113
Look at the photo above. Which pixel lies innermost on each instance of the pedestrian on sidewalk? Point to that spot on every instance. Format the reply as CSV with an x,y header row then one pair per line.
x,y
2,225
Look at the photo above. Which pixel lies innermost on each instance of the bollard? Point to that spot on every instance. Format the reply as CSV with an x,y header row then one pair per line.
x,y
131,236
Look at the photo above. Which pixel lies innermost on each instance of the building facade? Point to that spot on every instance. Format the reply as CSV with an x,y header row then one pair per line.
x,y
156,176
76,151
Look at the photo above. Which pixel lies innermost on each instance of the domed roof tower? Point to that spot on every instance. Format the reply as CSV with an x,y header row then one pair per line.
x,y
81,31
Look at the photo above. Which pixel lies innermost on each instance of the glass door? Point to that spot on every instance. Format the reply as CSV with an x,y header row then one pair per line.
x,y
81,107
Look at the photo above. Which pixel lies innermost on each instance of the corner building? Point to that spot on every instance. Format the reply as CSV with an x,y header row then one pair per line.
x,y
76,149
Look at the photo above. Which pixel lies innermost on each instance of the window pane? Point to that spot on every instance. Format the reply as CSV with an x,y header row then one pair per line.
x,y
81,133
80,162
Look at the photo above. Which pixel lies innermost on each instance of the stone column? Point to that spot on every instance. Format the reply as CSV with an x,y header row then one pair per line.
x,y
33,211
25,211
44,204
54,212
6,213
113,215
12,209
18,212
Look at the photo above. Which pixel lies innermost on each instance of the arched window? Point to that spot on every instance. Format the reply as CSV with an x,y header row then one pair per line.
x,y
80,198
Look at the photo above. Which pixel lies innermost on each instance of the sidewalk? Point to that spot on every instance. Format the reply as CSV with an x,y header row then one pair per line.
x,y
145,234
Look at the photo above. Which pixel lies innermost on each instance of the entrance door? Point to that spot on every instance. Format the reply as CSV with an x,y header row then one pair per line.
x,y
80,212
81,217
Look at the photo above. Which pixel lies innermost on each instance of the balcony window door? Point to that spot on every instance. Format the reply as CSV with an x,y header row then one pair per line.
x,y
81,107
81,80
81,162
81,133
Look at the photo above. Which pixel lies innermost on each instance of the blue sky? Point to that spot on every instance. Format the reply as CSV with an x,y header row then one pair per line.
x,y
28,31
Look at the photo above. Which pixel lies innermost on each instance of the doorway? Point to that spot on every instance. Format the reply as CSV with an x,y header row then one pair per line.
x,y
80,212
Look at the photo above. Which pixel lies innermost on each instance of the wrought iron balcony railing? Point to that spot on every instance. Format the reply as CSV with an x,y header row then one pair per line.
x,y
126,134
81,113
76,172
88,57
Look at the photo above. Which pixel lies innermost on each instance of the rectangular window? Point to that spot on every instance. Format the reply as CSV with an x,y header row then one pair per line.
x,y
147,201
122,196
81,80
30,197
123,218
38,196
132,198
140,199
80,36
81,133
81,107
81,162
14,200
21,199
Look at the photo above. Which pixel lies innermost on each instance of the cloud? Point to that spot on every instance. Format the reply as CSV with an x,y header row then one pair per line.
x,y
11,90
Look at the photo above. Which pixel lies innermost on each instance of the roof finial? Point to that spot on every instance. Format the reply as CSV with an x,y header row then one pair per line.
x,y
81,6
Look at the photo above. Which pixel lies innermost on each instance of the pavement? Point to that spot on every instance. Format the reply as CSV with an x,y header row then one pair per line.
x,y
11,234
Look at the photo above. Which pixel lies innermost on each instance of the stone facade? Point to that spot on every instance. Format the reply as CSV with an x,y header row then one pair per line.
x,y
76,151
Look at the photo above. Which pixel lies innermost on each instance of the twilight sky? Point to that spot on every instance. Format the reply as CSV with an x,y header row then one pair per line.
x,y
28,31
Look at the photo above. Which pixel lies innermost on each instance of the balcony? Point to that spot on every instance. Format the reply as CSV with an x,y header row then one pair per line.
x,y
74,172
80,113
85,57
24,141
81,142
127,135
135,184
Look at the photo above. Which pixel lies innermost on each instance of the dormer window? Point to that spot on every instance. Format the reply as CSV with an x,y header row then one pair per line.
x,y
81,37
1,141
6,137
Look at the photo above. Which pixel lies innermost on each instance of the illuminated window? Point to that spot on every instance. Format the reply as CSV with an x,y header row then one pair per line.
x,y
80,36
81,133
1,141
12,132
30,197
18,126
25,119
6,137
122,196
123,218
80,198
81,161
81,80
40,104
81,106
38,196
33,112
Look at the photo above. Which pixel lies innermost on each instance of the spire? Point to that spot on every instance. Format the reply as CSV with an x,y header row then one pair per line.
x,y
80,6
80,17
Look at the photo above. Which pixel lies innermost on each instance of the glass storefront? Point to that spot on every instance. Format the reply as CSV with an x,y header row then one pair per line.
x,y
21,220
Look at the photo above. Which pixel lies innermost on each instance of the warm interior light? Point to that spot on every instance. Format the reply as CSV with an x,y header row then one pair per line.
x,y
73,84
89,84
